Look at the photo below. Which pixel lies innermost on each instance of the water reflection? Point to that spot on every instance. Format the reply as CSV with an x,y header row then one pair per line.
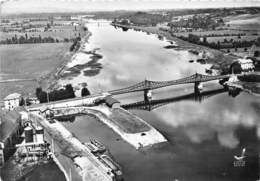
x,y
203,136
153,104
70,118
130,57
218,116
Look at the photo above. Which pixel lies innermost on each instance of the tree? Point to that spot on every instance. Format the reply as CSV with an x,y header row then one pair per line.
x,y
70,91
204,39
85,28
22,102
38,92
43,97
85,92
193,38
256,53
225,40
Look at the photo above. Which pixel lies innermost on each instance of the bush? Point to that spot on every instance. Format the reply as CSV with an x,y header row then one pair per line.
x,y
55,95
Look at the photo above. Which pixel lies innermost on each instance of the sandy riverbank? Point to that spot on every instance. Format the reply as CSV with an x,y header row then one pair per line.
x,y
50,81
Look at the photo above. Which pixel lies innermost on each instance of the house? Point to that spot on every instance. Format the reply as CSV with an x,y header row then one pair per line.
x,y
32,100
242,65
12,101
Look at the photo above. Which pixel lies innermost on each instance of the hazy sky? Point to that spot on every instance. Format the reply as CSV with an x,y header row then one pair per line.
x,y
18,6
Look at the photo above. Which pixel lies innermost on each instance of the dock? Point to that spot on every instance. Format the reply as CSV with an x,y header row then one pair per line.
x,y
131,128
74,158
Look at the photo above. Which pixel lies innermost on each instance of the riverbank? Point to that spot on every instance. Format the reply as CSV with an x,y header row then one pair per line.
x,y
50,81
218,59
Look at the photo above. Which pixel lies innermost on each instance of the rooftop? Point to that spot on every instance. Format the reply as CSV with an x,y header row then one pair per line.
x,y
242,61
13,96
110,101
9,122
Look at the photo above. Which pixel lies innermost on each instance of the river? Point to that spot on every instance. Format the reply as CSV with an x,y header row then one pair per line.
x,y
203,136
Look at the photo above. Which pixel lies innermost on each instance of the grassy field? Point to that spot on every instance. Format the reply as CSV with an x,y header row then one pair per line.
x,y
244,22
128,122
238,24
235,38
206,33
29,61
59,32
241,51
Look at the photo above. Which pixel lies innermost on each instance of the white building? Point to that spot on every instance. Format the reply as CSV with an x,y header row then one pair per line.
x,y
33,100
242,65
12,101
246,64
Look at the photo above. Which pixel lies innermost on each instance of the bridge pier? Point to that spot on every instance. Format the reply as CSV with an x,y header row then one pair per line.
x,y
197,91
233,91
147,95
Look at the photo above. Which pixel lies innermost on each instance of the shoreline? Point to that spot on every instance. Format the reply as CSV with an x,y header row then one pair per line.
x,y
219,58
50,81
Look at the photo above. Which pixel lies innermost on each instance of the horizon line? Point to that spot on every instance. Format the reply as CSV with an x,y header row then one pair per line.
x,y
133,10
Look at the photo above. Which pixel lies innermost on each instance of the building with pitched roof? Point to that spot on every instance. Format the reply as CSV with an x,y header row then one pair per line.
x,y
12,101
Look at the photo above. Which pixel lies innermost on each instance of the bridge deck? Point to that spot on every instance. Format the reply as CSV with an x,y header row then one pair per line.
x,y
149,85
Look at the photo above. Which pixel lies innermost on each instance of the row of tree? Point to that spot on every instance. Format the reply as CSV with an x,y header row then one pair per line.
x,y
76,44
55,95
226,34
197,22
142,18
33,39
220,45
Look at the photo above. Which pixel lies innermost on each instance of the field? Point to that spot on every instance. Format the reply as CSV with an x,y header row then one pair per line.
x,y
59,32
244,22
127,122
29,61
206,33
235,38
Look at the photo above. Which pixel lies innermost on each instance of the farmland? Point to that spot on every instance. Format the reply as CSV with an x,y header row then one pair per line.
x,y
247,22
29,61
56,32
237,35
18,32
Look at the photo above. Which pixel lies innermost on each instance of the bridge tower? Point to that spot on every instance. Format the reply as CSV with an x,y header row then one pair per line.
x,y
147,91
147,95
198,85
197,91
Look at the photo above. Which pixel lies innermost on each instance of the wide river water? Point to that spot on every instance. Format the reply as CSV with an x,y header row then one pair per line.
x,y
203,137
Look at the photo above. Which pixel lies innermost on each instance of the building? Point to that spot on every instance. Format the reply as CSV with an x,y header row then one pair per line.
x,y
109,101
12,101
242,65
32,100
10,131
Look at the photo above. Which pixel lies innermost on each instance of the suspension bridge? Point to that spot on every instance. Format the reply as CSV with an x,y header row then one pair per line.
x,y
154,104
150,85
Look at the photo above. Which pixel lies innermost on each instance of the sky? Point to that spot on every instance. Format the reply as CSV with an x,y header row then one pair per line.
x,y
27,6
